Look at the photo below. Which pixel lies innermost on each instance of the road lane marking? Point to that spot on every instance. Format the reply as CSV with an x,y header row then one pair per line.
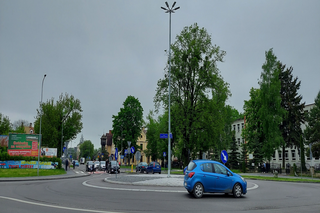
x,y
255,186
53,206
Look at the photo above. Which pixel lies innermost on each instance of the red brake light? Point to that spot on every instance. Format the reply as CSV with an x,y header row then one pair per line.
x,y
142,166
190,175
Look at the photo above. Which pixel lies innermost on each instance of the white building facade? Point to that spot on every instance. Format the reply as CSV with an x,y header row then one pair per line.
x,y
291,155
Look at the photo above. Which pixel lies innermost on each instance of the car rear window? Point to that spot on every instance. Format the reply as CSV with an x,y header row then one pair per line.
x,y
191,166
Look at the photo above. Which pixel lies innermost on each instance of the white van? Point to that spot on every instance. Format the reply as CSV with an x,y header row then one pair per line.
x,y
82,160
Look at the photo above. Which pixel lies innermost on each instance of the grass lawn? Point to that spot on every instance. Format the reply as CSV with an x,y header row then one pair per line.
x,y
282,179
30,172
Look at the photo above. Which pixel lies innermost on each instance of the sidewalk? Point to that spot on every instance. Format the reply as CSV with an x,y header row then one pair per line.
x,y
70,174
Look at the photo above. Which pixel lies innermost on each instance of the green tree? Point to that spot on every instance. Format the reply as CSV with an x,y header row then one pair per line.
x,y
253,132
234,155
87,149
127,124
312,131
60,117
271,112
5,125
290,101
197,91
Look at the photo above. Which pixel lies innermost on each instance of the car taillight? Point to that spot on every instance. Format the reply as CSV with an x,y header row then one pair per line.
x,y
190,175
142,166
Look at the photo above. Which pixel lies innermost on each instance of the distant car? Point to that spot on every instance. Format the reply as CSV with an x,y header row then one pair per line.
x,y
76,162
154,167
89,166
102,165
207,176
97,165
82,160
141,167
113,166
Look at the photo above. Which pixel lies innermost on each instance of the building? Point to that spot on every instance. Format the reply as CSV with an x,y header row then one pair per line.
x,y
291,155
29,129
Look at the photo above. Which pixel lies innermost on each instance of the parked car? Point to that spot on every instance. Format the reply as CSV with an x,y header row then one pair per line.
x,y
207,176
102,166
89,166
113,166
97,165
141,167
154,167
76,162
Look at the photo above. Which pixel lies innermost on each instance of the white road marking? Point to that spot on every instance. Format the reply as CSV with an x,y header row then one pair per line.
x,y
53,206
255,186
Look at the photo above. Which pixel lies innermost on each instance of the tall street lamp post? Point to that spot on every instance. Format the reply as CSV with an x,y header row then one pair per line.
x,y
169,10
40,125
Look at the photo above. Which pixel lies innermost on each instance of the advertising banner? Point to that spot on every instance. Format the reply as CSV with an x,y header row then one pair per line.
x,y
49,152
27,165
23,144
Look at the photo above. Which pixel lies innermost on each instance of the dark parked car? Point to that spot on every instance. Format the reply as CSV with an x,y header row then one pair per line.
x,y
89,166
154,167
141,167
207,176
113,166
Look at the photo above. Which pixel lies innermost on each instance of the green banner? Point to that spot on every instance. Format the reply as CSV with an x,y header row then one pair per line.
x,y
23,144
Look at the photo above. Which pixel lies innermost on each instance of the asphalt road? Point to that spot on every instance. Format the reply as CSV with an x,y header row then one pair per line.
x,y
93,194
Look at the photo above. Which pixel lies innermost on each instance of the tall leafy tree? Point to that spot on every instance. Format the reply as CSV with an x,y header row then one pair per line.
x,y
234,155
271,112
87,149
290,101
128,123
60,117
312,131
5,125
197,90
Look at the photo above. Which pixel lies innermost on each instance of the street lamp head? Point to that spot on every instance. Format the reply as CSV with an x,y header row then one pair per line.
x,y
176,8
174,3
45,75
167,4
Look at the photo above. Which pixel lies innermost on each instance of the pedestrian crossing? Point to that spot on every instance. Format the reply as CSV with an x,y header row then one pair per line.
x,y
82,172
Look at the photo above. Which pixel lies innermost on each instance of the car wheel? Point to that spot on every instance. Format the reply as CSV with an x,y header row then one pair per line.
x,y
147,172
198,190
159,172
237,190
190,192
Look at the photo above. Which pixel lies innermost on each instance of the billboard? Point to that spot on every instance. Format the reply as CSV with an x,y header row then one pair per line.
x,y
27,165
49,152
23,144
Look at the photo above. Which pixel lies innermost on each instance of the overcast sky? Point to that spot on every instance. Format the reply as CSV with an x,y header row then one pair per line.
x,y
103,51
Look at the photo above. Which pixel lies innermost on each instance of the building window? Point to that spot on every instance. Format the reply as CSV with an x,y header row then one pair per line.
x,y
141,146
239,141
242,140
238,127
234,127
286,154
280,155
293,154
274,156
242,125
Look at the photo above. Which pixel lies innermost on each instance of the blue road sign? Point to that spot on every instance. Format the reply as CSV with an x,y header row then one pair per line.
x,y
224,156
122,156
64,148
165,135
164,154
125,152
70,156
116,154
132,149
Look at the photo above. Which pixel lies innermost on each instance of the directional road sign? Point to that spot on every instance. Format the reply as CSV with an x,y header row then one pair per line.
x,y
164,154
224,156
125,152
132,149
165,135
116,154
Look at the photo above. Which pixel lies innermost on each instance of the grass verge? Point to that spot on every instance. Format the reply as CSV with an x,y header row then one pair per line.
x,y
30,172
281,179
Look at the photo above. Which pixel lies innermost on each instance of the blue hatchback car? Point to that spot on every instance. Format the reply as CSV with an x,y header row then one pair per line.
x,y
207,176
153,167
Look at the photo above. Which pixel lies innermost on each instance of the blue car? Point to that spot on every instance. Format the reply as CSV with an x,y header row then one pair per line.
x,y
153,167
207,176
